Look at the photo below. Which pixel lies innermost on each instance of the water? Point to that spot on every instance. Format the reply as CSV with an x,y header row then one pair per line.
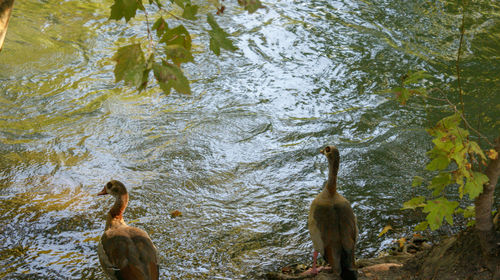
x,y
240,156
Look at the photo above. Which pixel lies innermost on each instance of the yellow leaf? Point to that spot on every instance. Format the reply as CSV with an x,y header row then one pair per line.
x,y
492,154
401,242
385,230
468,166
175,214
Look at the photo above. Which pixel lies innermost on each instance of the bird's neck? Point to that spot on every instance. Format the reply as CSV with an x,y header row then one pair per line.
x,y
115,214
331,184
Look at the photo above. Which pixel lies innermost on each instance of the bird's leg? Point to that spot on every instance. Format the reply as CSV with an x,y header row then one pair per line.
x,y
314,270
315,257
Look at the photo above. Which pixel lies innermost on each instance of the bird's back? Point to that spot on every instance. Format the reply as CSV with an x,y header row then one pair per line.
x,y
331,222
128,253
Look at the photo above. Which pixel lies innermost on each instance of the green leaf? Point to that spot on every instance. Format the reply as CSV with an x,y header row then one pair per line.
x,y
443,146
190,12
414,203
474,184
471,223
459,180
450,122
250,5
177,36
160,26
439,182
218,37
130,65
421,226
417,181
474,148
178,54
438,209
458,154
416,77
470,211
181,3
438,163
170,76
157,2
125,9
145,74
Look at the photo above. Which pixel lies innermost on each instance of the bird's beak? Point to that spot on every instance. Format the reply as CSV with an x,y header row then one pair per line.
x,y
103,192
322,151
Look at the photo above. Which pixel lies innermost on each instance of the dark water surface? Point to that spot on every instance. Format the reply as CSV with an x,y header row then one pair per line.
x,y
239,158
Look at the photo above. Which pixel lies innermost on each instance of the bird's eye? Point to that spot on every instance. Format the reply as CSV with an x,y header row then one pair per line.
x,y
327,149
109,185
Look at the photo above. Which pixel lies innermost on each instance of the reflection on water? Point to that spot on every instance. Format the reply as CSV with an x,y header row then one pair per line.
x,y
239,158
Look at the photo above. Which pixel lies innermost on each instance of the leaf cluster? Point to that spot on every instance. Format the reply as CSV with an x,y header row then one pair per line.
x,y
173,47
454,160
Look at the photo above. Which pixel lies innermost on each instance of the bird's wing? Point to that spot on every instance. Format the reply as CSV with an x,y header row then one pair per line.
x,y
131,256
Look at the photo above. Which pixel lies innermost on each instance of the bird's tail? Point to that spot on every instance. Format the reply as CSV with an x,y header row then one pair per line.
x,y
347,274
349,271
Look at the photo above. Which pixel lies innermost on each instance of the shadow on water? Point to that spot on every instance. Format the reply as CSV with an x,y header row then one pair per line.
x,y
240,157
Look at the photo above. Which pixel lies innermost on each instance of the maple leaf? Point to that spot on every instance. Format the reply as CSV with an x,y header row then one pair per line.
x,y
170,76
130,65
125,9
218,37
438,209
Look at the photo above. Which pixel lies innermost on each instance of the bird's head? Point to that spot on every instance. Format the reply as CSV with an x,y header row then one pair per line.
x,y
331,152
114,188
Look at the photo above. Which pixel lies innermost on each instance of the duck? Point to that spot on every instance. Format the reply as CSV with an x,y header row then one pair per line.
x,y
332,224
125,252
5,11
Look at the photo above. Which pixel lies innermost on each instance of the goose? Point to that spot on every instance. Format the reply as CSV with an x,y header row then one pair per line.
x,y
332,224
5,11
125,252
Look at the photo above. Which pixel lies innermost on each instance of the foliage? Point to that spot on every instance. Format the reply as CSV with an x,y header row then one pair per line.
x,y
173,45
125,9
454,160
130,65
218,38
385,230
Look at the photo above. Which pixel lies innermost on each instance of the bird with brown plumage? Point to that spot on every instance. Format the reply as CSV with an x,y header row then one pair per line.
x,y
5,12
332,224
125,252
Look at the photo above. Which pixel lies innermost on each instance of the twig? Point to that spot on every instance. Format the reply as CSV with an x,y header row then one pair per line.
x,y
176,17
462,32
150,37
170,13
454,107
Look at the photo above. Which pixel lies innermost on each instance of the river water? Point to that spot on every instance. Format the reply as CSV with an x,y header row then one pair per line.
x,y
240,156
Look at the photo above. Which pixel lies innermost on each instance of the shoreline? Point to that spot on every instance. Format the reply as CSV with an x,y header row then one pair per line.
x,y
453,257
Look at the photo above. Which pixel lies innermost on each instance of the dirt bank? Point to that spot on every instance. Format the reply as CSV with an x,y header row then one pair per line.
x,y
456,257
